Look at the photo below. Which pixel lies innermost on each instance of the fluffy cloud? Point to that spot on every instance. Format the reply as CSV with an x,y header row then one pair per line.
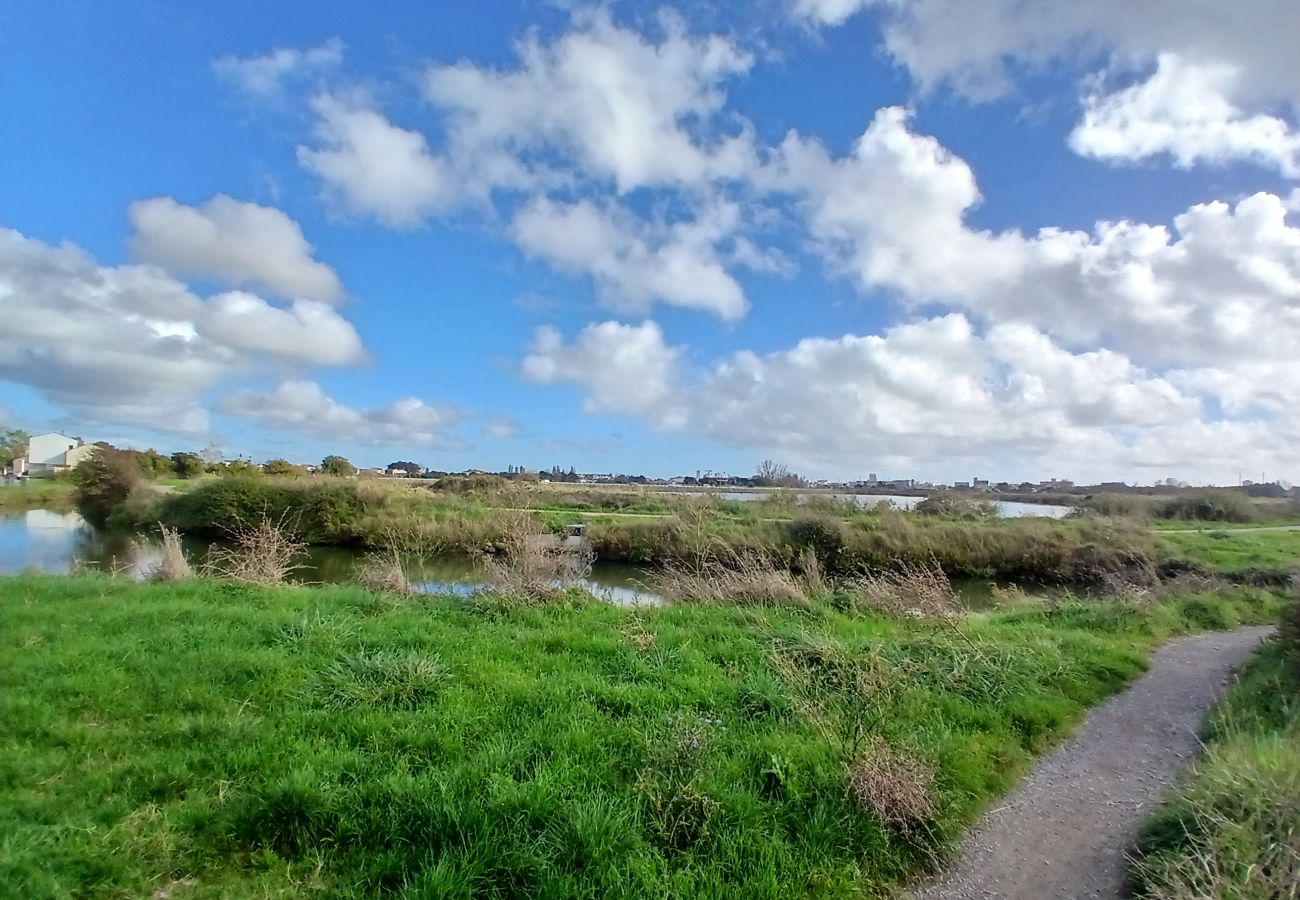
x,y
975,46
304,407
1183,110
264,76
922,393
306,332
622,368
1220,289
632,262
372,167
615,104
599,107
132,345
242,244
1219,71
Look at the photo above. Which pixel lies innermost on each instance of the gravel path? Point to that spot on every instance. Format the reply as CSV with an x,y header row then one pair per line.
x,y
1064,831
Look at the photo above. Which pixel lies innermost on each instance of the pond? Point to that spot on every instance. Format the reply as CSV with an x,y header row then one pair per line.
x,y
61,542
1006,508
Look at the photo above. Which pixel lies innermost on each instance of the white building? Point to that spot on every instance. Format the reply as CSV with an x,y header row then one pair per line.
x,y
50,453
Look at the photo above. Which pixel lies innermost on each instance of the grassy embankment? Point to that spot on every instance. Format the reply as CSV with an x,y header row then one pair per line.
x,y
36,493
1232,829
209,739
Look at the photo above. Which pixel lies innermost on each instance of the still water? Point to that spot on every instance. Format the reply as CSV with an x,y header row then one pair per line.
x,y
62,541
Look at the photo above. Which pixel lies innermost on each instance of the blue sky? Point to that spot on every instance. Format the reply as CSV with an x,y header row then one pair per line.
x,y
926,238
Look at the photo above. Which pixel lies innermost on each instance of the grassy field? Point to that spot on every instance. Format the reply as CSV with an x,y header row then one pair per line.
x,y
207,739
1234,550
36,493
1232,829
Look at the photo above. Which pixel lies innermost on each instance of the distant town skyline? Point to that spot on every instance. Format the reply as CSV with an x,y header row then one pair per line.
x,y
935,240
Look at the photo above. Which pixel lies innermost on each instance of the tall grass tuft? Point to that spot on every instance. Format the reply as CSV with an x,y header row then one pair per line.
x,y
172,564
732,576
918,590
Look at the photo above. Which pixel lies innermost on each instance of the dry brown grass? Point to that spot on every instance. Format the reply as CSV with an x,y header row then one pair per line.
x,y
266,552
531,566
732,577
402,549
172,564
896,787
915,590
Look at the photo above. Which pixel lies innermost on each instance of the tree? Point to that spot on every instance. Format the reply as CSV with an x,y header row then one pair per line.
x,y
774,474
280,467
188,465
13,444
103,481
410,468
153,464
337,465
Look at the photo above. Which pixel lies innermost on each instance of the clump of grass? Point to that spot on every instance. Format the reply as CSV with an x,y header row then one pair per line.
x,y
896,787
265,553
1002,596
383,573
916,590
385,679
172,564
732,577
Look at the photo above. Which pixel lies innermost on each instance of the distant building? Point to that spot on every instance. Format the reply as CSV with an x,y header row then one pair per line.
x,y
980,484
52,452
961,485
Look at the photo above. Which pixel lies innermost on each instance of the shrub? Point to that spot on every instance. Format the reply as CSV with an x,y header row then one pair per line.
x,y
823,535
263,553
103,482
952,507
531,566
1210,506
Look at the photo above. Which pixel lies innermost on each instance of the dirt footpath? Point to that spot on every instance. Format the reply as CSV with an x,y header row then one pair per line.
x,y
1065,831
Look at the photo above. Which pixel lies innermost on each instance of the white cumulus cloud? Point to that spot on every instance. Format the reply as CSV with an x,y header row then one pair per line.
x,y
1183,110
304,407
242,244
372,167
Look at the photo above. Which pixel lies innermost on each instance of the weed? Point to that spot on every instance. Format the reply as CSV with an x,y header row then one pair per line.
x,y
896,787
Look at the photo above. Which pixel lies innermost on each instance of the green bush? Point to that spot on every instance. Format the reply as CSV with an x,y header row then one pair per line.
x,y
1210,506
104,480
320,512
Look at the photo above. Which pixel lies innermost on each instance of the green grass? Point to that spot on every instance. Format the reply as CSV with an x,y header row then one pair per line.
x,y
1232,829
36,493
1234,550
219,740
